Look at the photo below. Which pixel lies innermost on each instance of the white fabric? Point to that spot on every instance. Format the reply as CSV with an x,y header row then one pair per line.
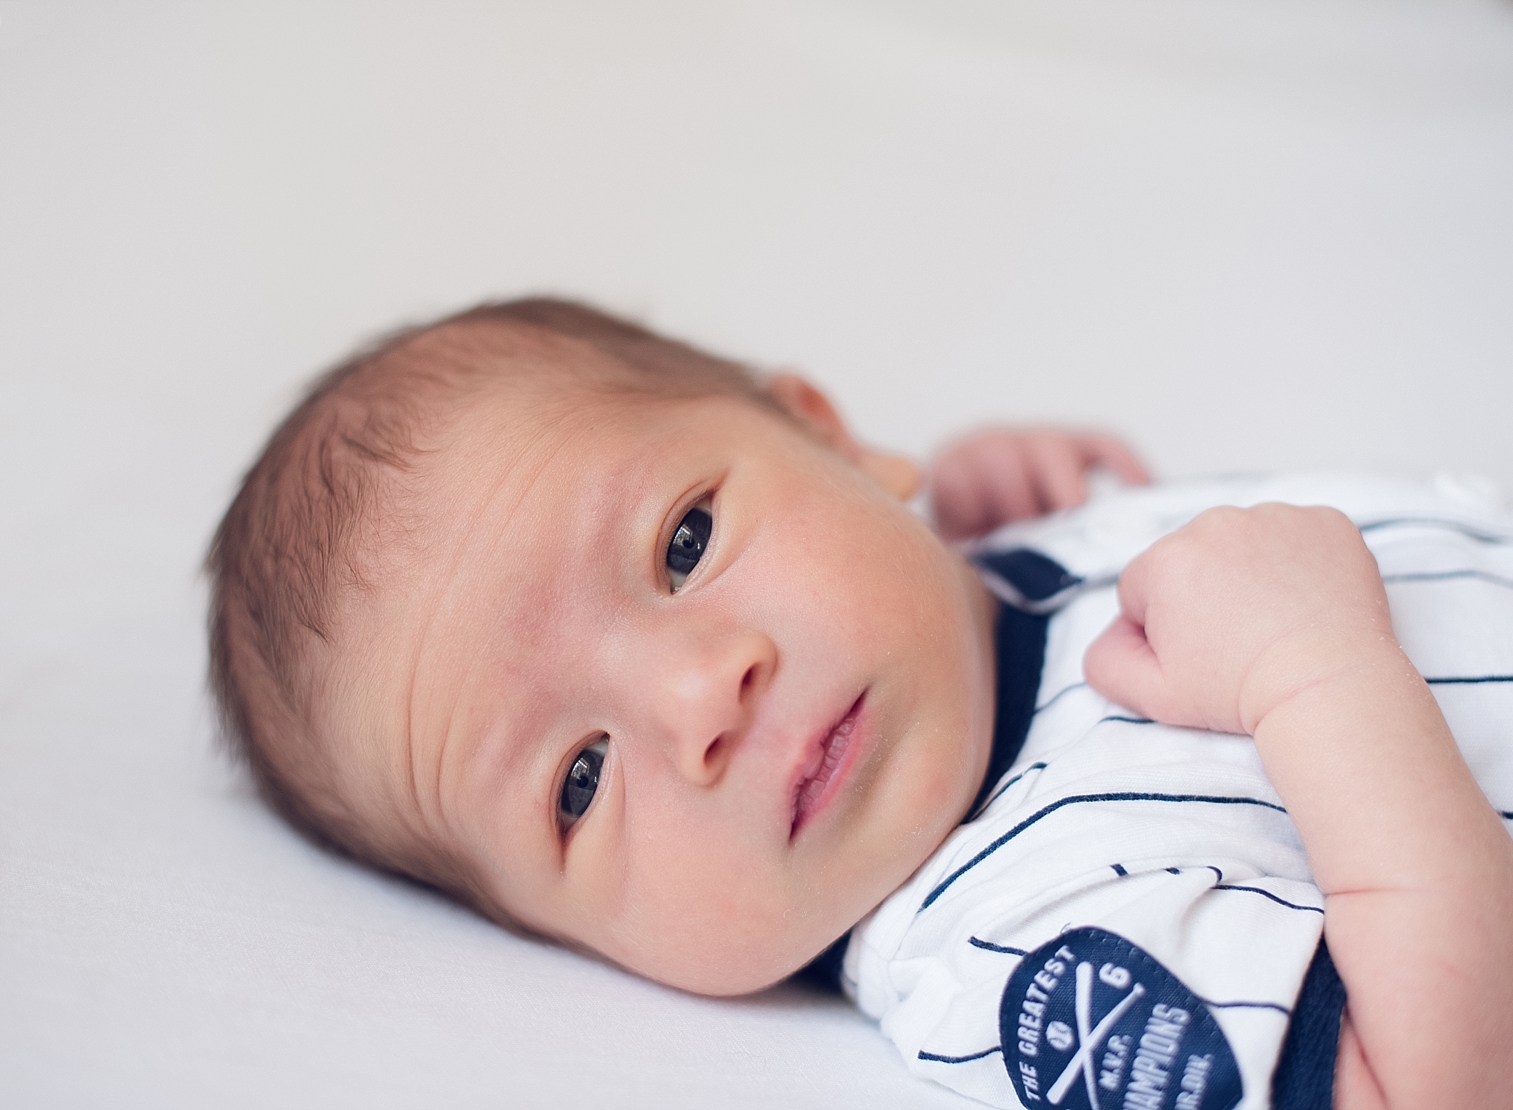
x,y
1201,870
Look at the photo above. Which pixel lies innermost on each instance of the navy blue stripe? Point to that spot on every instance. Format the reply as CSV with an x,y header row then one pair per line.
x,y
1469,680
923,1055
999,792
1076,799
1273,897
1435,522
1442,575
1121,872
1506,814
1246,1006
987,945
1127,720
1054,698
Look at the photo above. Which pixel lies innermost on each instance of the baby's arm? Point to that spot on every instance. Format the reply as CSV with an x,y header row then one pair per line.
x,y
1273,621
997,475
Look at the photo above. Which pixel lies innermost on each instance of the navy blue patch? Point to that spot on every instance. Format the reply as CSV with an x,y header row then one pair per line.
x,y
1091,1022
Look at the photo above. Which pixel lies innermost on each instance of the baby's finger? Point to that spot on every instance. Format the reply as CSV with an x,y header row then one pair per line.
x,y
958,502
1010,494
1121,666
1134,588
1056,466
1106,451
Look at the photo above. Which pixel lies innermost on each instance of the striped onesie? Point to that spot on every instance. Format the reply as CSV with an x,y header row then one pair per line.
x,y
1127,919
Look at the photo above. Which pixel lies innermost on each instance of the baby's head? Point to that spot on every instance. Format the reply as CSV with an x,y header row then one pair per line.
x,y
604,636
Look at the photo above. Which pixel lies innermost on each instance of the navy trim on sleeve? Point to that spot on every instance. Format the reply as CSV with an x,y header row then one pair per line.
x,y
1037,578
1019,639
1304,1078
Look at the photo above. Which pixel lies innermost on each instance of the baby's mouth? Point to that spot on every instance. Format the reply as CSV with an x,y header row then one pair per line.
x,y
811,790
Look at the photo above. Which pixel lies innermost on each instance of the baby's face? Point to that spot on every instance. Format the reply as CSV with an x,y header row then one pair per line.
x,y
686,685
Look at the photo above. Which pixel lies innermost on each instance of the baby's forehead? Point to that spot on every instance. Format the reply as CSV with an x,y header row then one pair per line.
x,y
517,492
513,451
520,505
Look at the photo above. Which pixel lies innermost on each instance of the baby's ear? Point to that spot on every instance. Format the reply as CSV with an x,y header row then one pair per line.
x,y
895,473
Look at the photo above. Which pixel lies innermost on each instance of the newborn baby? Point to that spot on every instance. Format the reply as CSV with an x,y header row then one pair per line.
x,y
631,650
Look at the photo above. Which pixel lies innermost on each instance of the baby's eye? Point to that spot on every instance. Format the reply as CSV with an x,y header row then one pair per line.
x,y
582,781
688,543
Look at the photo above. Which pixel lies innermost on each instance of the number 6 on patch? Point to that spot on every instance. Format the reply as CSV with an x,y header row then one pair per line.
x,y
1115,976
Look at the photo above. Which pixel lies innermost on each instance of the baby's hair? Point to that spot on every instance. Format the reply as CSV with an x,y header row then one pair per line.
x,y
325,501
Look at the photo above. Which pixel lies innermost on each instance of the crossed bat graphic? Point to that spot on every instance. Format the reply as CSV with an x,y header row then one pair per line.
x,y
1088,1040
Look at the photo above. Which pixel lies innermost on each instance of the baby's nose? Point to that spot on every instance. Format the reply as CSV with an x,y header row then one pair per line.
x,y
705,701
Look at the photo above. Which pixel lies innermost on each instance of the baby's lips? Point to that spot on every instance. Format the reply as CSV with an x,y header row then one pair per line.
x,y
828,755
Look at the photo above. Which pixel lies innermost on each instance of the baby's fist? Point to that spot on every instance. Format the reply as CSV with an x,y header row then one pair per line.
x,y
1228,617
999,475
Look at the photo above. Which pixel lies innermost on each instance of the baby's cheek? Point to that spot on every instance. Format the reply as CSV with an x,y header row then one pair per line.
x,y
683,900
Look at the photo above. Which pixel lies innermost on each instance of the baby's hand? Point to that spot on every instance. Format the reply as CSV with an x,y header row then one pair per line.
x,y
1273,621
997,475
1228,617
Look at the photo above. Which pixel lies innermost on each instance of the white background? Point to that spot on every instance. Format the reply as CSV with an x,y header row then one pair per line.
x,y
1246,235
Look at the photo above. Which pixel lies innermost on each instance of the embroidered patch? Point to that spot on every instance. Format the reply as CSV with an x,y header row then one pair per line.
x,y
1091,1022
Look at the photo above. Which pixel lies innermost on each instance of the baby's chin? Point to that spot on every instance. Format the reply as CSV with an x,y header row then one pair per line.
x,y
716,970
716,980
